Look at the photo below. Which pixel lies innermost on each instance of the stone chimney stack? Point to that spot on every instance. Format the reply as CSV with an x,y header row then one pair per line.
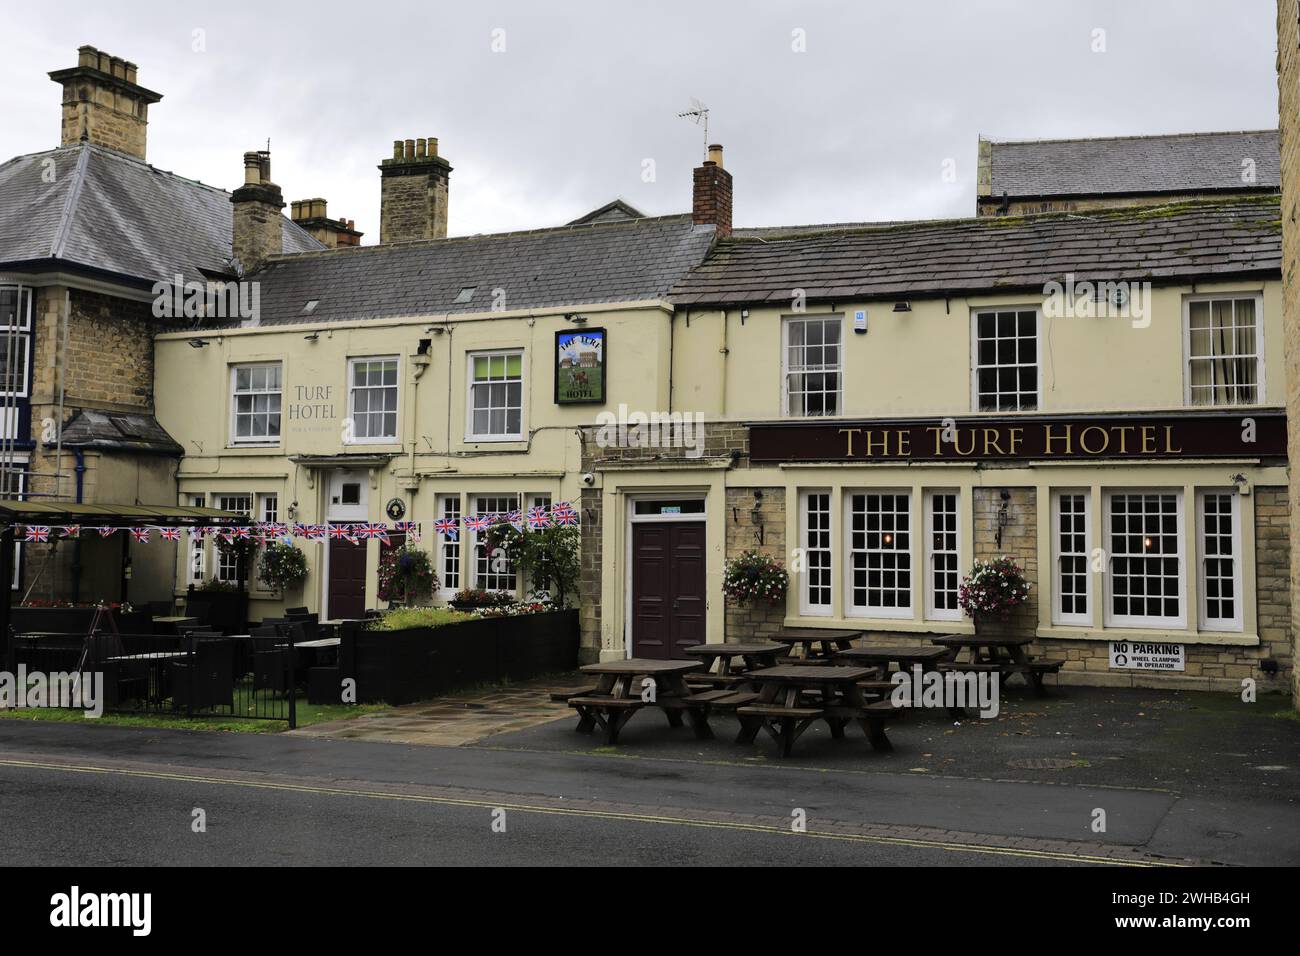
x,y
258,231
103,103
413,192
310,214
711,202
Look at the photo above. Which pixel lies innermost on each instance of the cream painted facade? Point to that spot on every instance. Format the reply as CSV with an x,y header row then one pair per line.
x,y
431,457
730,368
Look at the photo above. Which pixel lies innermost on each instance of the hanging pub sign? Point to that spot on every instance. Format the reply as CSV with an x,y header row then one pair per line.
x,y
580,369
1247,434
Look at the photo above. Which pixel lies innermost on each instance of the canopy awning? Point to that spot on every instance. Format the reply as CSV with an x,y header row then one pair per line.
x,y
13,512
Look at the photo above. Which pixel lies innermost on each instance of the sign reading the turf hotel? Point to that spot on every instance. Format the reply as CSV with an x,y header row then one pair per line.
x,y
1191,435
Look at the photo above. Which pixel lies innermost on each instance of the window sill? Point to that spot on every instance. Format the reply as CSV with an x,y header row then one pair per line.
x,y
493,439
1157,635
896,624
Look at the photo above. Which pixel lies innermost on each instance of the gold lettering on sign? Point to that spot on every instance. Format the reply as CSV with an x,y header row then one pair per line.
x,y
1123,437
957,443
1049,436
883,442
848,433
1017,436
1083,440
1169,441
904,443
938,439
992,440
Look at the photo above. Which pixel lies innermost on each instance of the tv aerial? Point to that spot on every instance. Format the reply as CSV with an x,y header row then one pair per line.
x,y
699,115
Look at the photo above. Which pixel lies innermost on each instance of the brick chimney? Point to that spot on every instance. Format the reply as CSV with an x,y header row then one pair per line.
x,y
413,192
711,202
258,230
103,103
311,215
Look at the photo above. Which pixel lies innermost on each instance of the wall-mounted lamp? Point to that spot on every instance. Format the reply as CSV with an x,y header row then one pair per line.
x,y
575,318
902,307
756,515
198,343
292,511
312,337
1004,516
1241,482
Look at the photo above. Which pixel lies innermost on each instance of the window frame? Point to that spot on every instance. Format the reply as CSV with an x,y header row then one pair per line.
x,y
218,564
826,318
470,434
907,612
480,538
22,334
806,607
1059,616
1260,363
1140,621
264,441
197,552
975,313
1237,623
392,439
933,613
449,550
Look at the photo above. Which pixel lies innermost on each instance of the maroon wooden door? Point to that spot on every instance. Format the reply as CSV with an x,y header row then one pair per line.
x,y
668,582
347,579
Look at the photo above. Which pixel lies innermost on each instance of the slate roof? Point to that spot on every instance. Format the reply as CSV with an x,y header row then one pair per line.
x,y
113,214
973,256
114,431
619,261
1188,162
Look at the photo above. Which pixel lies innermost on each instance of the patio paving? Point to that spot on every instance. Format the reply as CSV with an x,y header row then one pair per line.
x,y
464,717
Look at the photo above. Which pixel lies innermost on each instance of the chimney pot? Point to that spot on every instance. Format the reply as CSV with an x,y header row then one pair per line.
x,y
88,56
409,151
397,149
715,154
132,72
433,146
318,207
252,170
105,64
419,148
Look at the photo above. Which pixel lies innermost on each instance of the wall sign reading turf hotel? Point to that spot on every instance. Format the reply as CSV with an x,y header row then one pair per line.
x,y
1259,434
580,367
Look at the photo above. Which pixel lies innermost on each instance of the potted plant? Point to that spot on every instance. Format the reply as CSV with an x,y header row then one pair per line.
x,y
754,576
472,599
992,590
282,567
548,556
406,575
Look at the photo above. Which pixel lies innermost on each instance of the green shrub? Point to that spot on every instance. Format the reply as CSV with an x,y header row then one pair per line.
x,y
401,618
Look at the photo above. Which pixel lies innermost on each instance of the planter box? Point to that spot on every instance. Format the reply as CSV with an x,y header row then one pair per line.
x,y
75,620
400,667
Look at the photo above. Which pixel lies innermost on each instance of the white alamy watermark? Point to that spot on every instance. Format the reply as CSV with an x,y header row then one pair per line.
x,y
946,689
636,429
76,909
1098,300
178,299
62,689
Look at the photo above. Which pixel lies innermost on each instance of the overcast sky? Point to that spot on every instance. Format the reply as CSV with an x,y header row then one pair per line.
x,y
856,126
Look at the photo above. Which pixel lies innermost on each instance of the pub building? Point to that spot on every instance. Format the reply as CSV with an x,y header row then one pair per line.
x,y
1099,397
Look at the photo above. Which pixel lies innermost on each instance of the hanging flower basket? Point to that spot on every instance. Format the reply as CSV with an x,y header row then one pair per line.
x,y
992,590
753,576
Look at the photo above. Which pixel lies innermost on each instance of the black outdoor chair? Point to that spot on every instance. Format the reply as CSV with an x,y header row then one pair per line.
x,y
270,659
296,612
204,680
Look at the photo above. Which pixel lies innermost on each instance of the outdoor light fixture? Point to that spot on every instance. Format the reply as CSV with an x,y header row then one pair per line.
x,y
575,318
1004,512
312,337
902,307
756,515
198,343
1241,482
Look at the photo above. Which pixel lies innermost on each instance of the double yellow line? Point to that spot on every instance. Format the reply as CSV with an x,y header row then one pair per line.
x,y
950,846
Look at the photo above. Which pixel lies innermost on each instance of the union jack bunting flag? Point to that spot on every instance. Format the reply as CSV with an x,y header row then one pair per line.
x,y
243,533
566,518
169,534
38,532
409,528
516,519
301,530
107,532
71,530
140,534
449,528
561,508
341,532
316,531
379,531
538,518
275,529
478,522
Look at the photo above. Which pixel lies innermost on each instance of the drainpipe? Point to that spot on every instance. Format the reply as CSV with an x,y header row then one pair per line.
x,y
80,471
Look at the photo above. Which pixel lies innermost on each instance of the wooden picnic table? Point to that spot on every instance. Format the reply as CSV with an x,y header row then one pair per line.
x,y
619,694
1001,653
816,643
785,712
733,661
927,655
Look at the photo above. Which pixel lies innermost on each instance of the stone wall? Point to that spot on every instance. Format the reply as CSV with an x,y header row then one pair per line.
x,y
1288,66
1019,541
589,616
413,200
756,621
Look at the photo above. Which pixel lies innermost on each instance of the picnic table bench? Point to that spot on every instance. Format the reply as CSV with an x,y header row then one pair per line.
x,y
618,695
1003,654
815,644
732,662
794,696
